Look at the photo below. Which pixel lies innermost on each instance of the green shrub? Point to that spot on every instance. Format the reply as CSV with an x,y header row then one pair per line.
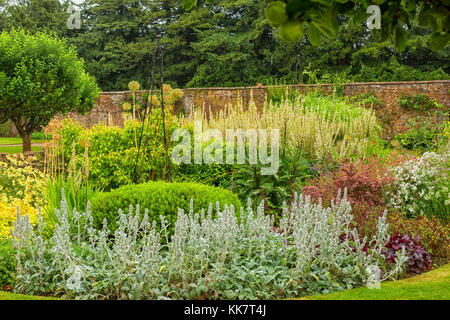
x,y
216,175
160,198
278,90
421,139
424,135
419,102
294,169
7,263
112,150
392,70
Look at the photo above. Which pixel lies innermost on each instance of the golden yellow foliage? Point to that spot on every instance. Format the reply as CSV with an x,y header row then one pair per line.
x,y
21,186
8,213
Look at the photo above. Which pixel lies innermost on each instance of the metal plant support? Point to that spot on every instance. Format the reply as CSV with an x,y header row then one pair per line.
x,y
298,76
298,69
147,112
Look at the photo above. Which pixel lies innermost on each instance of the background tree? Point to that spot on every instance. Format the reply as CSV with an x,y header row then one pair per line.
x,y
41,76
320,18
362,57
34,15
229,43
115,40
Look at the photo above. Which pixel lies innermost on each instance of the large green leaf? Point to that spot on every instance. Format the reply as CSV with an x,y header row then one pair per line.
x,y
326,27
360,16
314,35
400,38
189,4
438,41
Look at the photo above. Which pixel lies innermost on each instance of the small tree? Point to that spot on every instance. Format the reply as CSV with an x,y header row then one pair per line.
x,y
41,76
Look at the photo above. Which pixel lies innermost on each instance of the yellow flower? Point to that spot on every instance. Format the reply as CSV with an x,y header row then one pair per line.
x,y
127,106
155,101
134,86
8,213
21,181
167,88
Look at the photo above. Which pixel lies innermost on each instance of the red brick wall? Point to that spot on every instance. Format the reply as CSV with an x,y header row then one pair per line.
x,y
393,117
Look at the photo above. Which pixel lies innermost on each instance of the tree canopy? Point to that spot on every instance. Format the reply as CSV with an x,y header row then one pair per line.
x,y
40,76
320,18
228,43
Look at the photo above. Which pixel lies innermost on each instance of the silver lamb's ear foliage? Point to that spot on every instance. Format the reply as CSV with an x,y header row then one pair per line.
x,y
105,225
40,218
217,206
249,204
382,236
140,261
130,209
138,210
345,193
260,209
64,207
210,210
202,214
145,221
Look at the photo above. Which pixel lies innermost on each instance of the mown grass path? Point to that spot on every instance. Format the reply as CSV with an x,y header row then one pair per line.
x,y
14,145
433,285
13,296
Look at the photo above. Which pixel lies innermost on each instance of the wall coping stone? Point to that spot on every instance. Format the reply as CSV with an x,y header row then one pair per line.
x,y
295,85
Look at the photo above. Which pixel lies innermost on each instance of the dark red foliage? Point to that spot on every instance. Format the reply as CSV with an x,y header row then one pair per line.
x,y
419,260
434,234
364,181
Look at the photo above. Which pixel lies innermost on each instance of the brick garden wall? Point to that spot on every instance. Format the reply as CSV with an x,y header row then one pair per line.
x,y
393,117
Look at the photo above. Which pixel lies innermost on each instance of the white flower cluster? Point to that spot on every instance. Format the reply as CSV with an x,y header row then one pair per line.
x,y
222,256
420,185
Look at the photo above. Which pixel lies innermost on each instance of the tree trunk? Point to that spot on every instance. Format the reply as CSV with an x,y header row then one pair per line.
x,y
26,137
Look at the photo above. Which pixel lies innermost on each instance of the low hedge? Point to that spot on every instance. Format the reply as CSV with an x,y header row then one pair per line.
x,y
160,198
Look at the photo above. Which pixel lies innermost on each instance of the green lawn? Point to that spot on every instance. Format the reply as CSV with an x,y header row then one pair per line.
x,y
4,141
433,285
13,296
16,149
